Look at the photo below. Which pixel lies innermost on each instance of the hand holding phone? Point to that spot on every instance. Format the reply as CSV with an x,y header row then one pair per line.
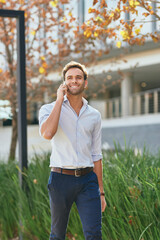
x,y
62,90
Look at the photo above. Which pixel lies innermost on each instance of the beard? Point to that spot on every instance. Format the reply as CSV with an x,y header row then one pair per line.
x,y
76,91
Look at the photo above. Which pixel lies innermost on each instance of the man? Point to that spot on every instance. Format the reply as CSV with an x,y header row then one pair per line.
x,y
74,129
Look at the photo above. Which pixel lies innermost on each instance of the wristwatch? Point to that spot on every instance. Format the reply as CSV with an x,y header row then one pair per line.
x,y
102,194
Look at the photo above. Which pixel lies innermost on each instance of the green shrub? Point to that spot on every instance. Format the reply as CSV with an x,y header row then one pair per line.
x,y
132,188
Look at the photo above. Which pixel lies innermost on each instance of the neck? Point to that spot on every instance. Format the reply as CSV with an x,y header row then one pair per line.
x,y
75,102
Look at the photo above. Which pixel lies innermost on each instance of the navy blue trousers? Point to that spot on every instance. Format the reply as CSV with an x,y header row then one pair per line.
x,y
84,191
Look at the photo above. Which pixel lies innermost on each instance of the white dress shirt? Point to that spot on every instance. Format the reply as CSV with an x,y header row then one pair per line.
x,y
77,142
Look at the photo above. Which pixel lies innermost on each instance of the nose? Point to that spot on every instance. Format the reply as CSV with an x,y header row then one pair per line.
x,y
74,80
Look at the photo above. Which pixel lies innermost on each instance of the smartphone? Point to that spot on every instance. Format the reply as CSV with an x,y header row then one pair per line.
x,y
65,84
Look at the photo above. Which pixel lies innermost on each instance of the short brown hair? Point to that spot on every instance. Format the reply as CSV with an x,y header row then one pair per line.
x,y
74,64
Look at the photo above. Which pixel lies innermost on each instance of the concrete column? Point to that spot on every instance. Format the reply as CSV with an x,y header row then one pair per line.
x,y
136,87
117,107
46,97
156,102
107,95
138,104
126,90
136,99
146,103
131,112
110,109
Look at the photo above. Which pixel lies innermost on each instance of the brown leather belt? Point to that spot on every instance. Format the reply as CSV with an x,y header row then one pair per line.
x,y
74,172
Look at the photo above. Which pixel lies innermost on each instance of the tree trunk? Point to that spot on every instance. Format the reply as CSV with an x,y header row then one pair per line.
x,y
13,145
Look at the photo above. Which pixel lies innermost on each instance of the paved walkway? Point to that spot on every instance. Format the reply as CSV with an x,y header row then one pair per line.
x,y
36,144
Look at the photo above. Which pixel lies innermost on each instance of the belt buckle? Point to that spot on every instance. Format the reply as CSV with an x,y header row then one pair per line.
x,y
77,172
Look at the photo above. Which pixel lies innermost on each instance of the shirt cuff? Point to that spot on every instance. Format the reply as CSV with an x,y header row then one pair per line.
x,y
96,157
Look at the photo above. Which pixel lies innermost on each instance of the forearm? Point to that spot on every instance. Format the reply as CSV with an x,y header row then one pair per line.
x,y
98,169
49,127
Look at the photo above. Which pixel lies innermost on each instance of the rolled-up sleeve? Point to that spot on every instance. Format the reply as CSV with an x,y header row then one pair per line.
x,y
96,140
43,115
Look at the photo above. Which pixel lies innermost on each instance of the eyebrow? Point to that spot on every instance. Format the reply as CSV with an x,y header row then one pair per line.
x,y
78,75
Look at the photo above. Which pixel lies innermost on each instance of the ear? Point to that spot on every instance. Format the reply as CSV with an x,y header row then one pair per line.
x,y
86,84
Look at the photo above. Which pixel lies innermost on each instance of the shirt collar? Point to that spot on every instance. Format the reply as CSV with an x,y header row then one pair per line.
x,y
85,102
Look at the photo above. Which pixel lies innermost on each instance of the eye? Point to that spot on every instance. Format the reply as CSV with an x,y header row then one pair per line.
x,y
79,77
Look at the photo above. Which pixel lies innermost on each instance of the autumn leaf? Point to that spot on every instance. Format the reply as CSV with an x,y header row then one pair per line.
x,y
96,34
94,2
54,3
111,15
43,58
90,10
99,19
21,1
118,44
146,14
33,32
150,7
44,64
103,4
117,10
70,14
2,1
41,70
133,3
1,70
155,39
87,33
124,34
64,19
137,31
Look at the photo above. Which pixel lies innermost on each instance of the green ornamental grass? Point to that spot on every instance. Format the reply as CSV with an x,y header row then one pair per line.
x,y
132,188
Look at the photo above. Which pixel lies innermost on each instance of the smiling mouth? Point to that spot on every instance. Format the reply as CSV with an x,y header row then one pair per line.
x,y
74,86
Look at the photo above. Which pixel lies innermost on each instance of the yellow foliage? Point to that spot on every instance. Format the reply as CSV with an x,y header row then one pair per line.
x,y
145,14
88,22
99,19
90,10
125,35
87,33
2,1
117,10
33,32
137,31
133,3
54,3
70,14
41,70
96,34
43,58
64,19
1,70
118,44
44,64
111,15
